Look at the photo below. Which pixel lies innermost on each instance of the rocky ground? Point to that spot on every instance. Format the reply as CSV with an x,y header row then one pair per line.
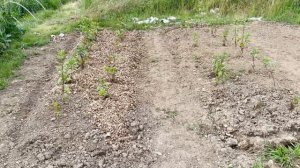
x,y
164,109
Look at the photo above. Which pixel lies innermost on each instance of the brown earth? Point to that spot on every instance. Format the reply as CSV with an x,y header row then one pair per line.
x,y
165,109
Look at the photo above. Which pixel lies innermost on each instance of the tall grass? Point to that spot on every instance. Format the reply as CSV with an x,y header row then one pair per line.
x,y
279,10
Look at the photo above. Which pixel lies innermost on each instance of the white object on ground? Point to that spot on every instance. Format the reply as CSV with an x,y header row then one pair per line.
x,y
153,20
255,19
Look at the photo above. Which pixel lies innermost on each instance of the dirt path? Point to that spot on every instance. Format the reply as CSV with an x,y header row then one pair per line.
x,y
175,105
281,42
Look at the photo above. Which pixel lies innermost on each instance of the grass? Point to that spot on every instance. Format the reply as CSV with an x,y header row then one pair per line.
x,y
283,156
37,33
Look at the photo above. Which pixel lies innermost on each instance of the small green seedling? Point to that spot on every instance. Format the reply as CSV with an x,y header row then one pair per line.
x,y
295,102
82,54
270,67
244,41
120,34
61,57
195,39
235,37
219,67
254,53
225,36
56,108
103,89
111,71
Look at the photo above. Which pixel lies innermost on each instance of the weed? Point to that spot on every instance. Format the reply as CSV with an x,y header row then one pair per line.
x,y
120,34
171,114
61,57
282,155
225,36
213,31
258,164
195,39
56,108
103,89
243,41
194,127
235,37
254,53
82,55
270,67
111,72
294,102
219,67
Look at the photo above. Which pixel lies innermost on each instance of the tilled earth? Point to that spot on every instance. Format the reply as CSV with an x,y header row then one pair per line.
x,y
164,109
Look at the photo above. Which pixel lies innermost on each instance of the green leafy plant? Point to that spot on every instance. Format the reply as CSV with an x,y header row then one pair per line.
x,y
120,33
61,57
243,41
270,67
282,155
56,108
225,36
111,72
195,39
219,67
254,53
103,89
82,55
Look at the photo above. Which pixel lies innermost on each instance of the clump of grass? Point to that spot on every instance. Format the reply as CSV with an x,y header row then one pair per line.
x,y
219,68
56,108
254,53
103,89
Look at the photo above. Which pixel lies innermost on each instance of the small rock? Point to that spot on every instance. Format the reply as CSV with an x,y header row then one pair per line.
x,y
244,145
101,163
53,119
270,164
232,142
158,153
107,135
40,157
67,136
134,124
80,165
115,147
141,127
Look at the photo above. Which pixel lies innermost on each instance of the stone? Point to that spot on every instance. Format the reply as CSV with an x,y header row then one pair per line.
x,y
231,142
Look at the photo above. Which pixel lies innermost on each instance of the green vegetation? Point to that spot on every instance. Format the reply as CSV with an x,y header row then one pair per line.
x,y
270,67
219,67
61,57
283,156
103,89
225,36
196,39
295,102
254,53
111,72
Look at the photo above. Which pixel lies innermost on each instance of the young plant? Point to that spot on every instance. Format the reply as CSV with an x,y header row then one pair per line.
x,y
61,57
225,36
235,37
195,39
213,31
120,34
111,72
82,54
295,102
243,41
103,89
270,67
219,67
254,53
56,108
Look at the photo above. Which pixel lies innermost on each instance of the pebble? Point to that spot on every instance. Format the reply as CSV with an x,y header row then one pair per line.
x,y
231,142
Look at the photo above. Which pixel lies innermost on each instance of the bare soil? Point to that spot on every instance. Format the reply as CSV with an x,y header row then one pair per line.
x,y
165,109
